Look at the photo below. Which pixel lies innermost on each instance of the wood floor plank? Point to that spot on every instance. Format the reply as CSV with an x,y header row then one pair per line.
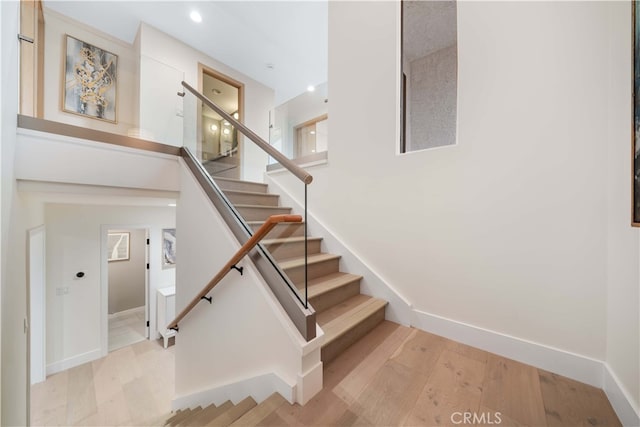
x,y
140,400
349,388
81,394
568,402
49,400
467,351
455,387
388,398
420,351
513,389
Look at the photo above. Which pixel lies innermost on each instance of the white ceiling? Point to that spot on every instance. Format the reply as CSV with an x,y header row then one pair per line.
x,y
246,35
428,26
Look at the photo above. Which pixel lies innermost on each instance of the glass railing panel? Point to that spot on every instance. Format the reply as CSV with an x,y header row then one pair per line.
x,y
216,137
298,128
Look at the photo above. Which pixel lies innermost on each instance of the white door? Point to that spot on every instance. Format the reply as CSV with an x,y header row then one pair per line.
x,y
37,300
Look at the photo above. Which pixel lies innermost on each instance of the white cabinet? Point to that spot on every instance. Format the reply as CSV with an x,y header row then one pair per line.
x,y
166,312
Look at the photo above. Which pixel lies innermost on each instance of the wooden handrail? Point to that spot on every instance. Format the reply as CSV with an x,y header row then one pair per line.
x,y
242,252
302,174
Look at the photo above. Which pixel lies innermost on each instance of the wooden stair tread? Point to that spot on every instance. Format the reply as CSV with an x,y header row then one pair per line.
x,y
311,259
187,421
250,193
284,240
260,412
259,223
233,413
357,310
180,416
208,415
238,180
329,282
261,207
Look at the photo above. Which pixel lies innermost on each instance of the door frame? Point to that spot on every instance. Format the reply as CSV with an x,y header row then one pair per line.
x,y
104,282
202,70
31,325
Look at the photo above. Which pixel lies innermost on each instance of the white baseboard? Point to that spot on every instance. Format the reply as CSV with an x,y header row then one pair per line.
x,y
259,387
574,366
620,399
72,362
127,312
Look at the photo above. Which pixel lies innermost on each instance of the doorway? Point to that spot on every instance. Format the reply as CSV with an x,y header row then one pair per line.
x,y
127,282
36,305
219,141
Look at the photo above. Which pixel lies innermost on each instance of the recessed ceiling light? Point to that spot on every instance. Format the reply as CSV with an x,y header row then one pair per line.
x,y
173,205
195,16
313,132
214,127
226,131
311,88
236,116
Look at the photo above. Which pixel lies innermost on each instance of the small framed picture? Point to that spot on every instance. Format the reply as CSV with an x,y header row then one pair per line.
x,y
168,247
90,81
118,246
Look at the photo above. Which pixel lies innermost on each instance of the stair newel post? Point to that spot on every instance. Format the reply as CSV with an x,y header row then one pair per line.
x,y
306,261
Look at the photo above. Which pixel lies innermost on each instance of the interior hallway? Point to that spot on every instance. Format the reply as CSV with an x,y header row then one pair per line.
x,y
393,376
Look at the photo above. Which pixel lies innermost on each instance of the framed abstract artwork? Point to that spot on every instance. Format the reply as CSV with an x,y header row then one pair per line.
x,y
118,246
90,81
635,145
168,247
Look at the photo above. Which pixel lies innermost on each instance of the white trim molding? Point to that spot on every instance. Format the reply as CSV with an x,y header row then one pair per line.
x,y
259,387
74,361
619,398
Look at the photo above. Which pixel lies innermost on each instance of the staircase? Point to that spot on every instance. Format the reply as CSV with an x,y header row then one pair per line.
x,y
245,413
343,313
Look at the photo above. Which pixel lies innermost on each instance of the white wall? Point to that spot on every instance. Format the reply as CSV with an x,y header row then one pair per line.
x,y
74,319
623,244
56,26
244,334
91,163
176,58
12,267
510,230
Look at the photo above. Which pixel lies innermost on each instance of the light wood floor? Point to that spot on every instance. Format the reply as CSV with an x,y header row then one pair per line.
x,y
131,386
126,328
393,376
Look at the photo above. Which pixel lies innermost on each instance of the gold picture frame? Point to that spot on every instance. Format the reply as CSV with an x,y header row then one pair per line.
x,y
89,81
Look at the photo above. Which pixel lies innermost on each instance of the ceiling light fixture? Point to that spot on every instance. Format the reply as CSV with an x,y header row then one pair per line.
x,y
214,128
313,132
226,123
236,116
195,16
173,205
311,88
226,131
